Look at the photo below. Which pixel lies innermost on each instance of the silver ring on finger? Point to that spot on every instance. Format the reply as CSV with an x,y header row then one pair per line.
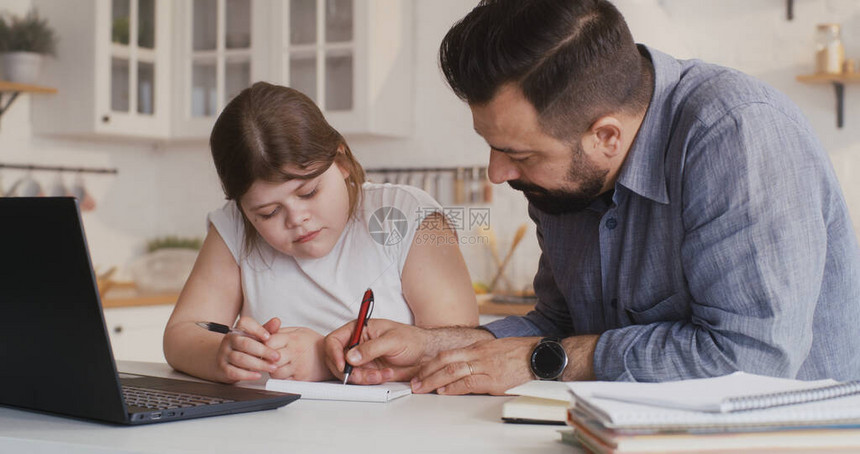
x,y
471,371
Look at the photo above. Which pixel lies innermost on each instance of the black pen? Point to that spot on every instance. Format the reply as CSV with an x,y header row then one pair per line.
x,y
224,329
363,314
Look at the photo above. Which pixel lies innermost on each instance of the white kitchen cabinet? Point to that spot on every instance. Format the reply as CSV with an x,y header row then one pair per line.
x,y
220,49
352,57
112,69
136,332
179,62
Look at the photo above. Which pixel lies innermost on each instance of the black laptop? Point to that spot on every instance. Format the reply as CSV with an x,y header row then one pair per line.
x,y
55,354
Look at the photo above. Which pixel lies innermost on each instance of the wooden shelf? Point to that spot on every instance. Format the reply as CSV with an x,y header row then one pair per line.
x,y
129,297
829,78
15,89
125,294
24,88
838,81
488,307
115,298
143,300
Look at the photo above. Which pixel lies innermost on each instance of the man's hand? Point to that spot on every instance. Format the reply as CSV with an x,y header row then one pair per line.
x,y
388,351
485,367
495,366
391,351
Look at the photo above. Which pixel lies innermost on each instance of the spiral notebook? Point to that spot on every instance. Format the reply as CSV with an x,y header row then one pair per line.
x,y
735,399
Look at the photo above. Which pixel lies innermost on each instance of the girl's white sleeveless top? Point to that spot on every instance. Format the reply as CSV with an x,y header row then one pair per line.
x,y
325,293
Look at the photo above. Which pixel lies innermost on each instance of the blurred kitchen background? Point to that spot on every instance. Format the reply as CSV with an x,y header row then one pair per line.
x,y
143,107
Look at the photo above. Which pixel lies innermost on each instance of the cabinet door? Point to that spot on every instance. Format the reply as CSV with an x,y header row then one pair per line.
x,y
220,44
136,62
111,70
353,58
319,51
136,333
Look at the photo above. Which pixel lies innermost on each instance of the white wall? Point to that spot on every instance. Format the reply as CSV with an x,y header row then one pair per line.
x,y
169,189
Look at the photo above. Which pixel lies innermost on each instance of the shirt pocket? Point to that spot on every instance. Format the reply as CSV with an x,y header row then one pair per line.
x,y
673,308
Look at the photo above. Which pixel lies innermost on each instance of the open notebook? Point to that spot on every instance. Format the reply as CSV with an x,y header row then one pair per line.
x,y
333,390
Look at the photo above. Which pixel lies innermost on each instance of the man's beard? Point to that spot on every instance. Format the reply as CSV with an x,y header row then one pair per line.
x,y
559,201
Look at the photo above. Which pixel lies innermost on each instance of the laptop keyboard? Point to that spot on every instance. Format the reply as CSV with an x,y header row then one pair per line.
x,y
154,399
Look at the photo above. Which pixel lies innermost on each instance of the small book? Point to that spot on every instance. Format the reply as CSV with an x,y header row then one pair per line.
x,y
333,390
735,399
537,402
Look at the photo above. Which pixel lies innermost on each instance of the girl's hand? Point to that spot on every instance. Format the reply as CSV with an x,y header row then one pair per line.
x,y
245,358
302,355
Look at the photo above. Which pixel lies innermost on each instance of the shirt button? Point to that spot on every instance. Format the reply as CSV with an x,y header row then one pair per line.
x,y
614,303
611,223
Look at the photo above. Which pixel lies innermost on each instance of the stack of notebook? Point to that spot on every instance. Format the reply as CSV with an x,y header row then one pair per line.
x,y
735,412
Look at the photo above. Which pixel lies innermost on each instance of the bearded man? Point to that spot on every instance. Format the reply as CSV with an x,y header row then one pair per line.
x,y
690,222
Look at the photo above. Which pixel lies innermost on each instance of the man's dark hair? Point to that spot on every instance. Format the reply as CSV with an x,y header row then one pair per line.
x,y
574,60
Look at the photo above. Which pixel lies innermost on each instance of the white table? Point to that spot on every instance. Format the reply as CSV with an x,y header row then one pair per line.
x,y
413,424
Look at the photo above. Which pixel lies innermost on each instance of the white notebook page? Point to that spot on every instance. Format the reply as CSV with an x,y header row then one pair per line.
x,y
332,390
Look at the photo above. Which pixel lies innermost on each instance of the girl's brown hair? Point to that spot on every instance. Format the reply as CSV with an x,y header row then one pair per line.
x,y
267,128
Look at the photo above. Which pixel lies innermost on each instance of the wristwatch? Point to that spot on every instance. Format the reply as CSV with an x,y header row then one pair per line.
x,y
548,359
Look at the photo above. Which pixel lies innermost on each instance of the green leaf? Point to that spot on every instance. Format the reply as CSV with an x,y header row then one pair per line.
x,y
30,33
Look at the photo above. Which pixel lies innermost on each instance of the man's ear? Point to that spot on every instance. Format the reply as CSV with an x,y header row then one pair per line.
x,y
604,137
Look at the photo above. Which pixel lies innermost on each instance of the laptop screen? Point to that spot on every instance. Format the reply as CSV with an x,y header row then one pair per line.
x,y
54,349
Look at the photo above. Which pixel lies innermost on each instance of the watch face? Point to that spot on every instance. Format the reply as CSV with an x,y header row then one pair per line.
x,y
548,360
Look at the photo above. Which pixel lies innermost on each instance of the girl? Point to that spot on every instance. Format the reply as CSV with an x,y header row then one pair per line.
x,y
300,239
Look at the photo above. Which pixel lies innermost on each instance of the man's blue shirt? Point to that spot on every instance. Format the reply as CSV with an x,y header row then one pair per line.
x,y
727,244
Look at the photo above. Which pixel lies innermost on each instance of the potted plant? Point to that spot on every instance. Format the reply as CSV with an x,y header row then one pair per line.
x,y
166,265
23,42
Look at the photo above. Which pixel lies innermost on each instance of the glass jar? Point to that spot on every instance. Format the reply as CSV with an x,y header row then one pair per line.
x,y
829,50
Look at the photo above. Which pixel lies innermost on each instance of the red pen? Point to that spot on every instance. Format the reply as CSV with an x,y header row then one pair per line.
x,y
363,314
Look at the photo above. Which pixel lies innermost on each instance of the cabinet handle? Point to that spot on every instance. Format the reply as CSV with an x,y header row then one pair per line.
x,y
117,329
106,119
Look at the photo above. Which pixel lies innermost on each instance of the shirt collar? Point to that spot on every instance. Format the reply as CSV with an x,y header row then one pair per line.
x,y
643,171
